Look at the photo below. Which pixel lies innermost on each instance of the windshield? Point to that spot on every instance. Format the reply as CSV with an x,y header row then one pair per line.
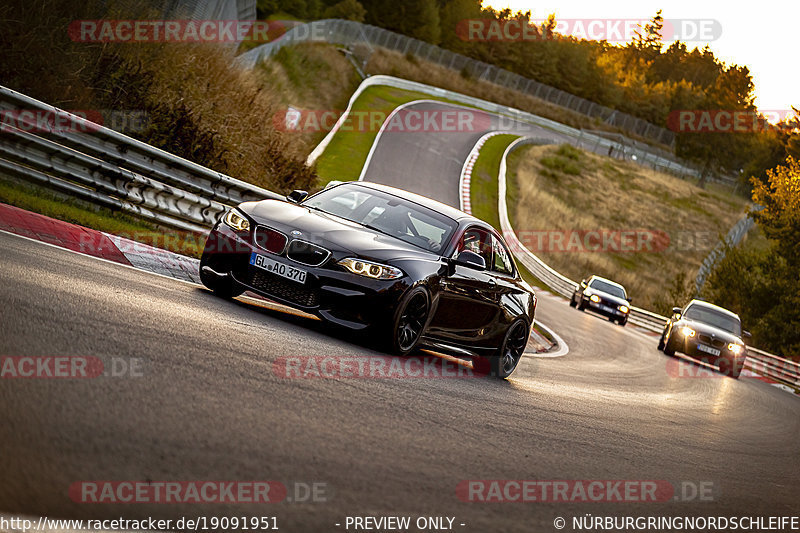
x,y
386,213
714,318
613,290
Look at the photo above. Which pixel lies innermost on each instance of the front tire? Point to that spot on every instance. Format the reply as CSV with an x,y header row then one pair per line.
x,y
670,346
505,361
409,321
572,302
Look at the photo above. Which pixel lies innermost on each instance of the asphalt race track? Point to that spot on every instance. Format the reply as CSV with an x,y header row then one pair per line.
x,y
207,403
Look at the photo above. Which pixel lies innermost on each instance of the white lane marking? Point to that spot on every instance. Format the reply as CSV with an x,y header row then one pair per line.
x,y
563,347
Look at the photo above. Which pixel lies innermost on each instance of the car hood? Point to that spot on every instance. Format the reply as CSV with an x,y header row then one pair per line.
x,y
608,297
341,236
707,329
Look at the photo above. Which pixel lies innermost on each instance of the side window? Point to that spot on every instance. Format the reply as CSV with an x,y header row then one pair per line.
x,y
479,241
502,260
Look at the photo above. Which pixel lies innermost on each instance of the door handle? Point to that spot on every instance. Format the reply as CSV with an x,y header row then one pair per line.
x,y
492,282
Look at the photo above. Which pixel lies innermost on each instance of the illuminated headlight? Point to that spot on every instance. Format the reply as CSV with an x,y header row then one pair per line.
x,y
595,298
370,269
236,221
624,308
687,331
735,348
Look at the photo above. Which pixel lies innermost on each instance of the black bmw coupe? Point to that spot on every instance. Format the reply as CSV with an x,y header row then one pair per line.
x,y
362,255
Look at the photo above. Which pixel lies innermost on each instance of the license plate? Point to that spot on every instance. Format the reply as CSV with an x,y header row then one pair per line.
x,y
707,349
607,309
281,269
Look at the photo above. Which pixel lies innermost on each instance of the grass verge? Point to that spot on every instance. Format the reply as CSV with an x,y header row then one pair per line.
x,y
564,194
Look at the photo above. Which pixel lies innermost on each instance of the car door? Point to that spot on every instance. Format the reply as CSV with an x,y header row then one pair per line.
x,y
468,300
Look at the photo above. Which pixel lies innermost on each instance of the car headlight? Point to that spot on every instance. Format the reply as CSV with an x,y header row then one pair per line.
x,y
687,331
735,348
370,269
236,221
624,308
595,298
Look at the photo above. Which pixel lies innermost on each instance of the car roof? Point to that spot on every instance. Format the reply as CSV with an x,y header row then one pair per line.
x,y
452,212
608,281
709,305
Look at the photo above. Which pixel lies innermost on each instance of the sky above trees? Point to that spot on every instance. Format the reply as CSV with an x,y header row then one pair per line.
x,y
760,35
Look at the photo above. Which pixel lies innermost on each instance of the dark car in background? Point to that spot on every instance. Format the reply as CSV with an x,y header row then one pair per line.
x,y
366,256
602,296
708,333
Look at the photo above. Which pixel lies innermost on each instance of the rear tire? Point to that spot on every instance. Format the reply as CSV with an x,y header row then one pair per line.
x,y
503,363
572,301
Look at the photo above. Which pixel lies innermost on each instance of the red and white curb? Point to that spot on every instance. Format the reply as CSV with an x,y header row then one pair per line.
x,y
98,244
466,171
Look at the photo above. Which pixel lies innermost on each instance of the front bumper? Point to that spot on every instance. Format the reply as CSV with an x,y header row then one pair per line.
x,y
697,349
329,291
604,308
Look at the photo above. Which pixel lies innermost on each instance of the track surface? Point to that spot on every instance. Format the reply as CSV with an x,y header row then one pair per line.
x,y
210,407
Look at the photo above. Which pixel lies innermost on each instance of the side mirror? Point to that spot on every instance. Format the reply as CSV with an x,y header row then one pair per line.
x,y
296,196
676,311
471,260
747,335
583,283
629,300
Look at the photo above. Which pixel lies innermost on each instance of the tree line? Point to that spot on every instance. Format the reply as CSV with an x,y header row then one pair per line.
x,y
644,77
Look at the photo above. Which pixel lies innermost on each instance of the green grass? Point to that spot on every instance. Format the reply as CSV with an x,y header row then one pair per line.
x,y
483,185
41,201
566,160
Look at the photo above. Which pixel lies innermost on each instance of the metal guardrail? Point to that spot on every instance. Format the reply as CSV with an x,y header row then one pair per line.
x,y
758,361
83,159
735,235
350,33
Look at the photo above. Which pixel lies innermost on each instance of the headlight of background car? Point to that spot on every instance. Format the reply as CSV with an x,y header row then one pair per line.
x,y
370,269
735,348
236,221
624,308
687,331
595,298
